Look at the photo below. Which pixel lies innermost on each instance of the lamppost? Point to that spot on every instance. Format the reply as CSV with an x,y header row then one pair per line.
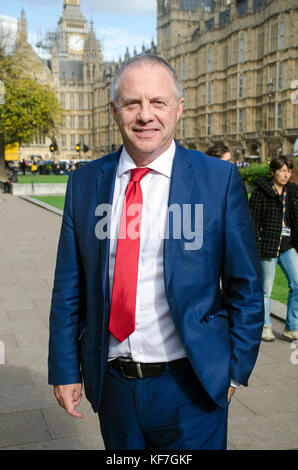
x,y
270,91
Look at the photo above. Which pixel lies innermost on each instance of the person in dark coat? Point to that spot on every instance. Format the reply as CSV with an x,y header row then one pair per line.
x,y
274,207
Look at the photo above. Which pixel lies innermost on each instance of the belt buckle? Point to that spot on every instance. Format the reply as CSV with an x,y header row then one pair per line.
x,y
138,368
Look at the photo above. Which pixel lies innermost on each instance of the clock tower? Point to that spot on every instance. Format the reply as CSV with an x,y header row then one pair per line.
x,y
72,29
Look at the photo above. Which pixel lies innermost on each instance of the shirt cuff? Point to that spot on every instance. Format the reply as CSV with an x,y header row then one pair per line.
x,y
235,384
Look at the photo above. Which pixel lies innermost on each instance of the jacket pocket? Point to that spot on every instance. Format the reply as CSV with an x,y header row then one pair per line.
x,y
216,315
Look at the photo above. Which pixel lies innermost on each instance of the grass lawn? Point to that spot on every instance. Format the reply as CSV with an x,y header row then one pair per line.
x,y
280,287
56,201
28,179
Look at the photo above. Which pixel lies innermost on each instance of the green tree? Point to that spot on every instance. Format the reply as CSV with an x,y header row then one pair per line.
x,y
30,107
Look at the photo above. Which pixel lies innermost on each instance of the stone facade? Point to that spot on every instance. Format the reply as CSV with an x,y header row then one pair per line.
x,y
237,61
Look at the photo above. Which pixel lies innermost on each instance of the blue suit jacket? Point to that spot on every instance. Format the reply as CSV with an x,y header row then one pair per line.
x,y
220,328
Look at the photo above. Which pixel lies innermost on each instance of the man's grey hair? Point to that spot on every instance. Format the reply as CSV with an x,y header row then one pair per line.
x,y
145,59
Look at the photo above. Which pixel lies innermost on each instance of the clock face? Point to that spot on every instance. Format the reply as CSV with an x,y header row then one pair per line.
x,y
76,43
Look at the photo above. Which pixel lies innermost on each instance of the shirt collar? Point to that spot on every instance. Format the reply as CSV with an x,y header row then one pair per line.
x,y
162,164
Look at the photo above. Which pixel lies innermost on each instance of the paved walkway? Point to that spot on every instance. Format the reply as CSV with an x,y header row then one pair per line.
x,y
262,416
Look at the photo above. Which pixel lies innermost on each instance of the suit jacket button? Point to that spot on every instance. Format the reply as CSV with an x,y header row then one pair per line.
x,y
100,347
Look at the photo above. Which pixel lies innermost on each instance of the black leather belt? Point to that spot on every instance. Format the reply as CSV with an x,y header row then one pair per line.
x,y
139,370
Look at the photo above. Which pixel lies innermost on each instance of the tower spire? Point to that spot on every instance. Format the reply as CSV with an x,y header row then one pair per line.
x,y
22,31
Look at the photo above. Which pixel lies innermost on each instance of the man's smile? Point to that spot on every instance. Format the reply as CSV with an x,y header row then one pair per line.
x,y
145,132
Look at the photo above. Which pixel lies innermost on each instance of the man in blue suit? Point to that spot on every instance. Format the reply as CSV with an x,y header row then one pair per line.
x,y
157,305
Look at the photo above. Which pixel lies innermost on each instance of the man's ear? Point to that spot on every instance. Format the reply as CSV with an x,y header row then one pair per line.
x,y
113,110
180,108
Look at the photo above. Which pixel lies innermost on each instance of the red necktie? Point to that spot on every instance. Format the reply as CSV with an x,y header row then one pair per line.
x,y
123,303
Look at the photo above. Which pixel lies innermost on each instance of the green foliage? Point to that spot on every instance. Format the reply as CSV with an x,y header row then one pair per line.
x,y
252,172
29,108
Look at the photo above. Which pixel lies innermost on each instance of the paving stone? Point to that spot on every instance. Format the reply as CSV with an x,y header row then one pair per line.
x,y
35,360
16,303
3,316
43,291
12,376
9,341
28,314
30,339
87,442
238,409
284,372
25,397
42,303
22,427
268,400
23,325
61,424
6,279
275,431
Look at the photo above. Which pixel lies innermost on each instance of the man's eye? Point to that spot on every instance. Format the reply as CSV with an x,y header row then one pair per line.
x,y
131,105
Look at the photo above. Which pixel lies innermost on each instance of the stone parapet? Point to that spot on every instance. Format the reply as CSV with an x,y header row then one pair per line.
x,y
38,189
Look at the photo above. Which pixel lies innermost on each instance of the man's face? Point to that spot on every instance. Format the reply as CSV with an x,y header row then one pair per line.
x,y
147,111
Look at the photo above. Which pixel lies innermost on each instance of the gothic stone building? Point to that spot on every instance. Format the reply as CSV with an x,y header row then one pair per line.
x,y
237,60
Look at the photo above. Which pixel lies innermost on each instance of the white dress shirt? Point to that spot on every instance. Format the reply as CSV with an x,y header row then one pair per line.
x,y
155,338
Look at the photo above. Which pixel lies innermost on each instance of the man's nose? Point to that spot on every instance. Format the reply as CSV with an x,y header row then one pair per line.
x,y
145,113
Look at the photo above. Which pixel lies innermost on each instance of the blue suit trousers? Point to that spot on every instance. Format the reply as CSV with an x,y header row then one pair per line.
x,y
171,411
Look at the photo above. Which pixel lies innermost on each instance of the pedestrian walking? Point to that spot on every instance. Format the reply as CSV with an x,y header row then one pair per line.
x,y
23,166
274,207
160,348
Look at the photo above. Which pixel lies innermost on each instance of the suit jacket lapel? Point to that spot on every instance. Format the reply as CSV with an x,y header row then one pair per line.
x,y
180,193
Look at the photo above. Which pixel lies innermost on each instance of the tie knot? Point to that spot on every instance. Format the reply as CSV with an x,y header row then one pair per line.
x,y
138,173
